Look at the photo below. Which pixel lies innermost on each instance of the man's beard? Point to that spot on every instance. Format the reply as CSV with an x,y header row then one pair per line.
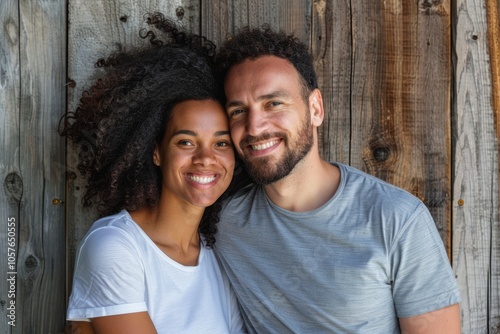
x,y
266,170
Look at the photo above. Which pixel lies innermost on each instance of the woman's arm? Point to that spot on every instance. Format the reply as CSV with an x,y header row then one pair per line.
x,y
79,327
131,323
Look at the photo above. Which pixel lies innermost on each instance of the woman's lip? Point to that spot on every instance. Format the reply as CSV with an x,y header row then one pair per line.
x,y
202,179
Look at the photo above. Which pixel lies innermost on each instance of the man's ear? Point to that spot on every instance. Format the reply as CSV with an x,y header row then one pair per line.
x,y
316,107
156,155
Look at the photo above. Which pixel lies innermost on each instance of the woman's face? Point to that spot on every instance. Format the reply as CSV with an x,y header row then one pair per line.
x,y
196,153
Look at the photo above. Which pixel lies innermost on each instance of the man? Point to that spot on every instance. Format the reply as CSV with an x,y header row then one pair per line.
x,y
313,246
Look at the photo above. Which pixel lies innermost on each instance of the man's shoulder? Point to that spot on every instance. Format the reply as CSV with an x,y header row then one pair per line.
x,y
356,182
241,195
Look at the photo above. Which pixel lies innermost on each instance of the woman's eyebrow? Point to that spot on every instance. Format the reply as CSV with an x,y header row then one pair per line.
x,y
222,133
193,133
185,132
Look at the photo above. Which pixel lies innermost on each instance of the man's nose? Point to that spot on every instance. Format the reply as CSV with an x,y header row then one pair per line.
x,y
256,122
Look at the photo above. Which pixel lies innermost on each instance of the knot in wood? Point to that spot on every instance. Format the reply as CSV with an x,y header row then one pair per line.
x,y
432,7
179,12
381,154
13,187
30,263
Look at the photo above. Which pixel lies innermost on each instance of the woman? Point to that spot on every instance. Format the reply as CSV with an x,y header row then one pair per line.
x,y
154,145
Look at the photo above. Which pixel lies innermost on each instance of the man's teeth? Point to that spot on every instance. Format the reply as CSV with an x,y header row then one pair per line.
x,y
201,179
261,147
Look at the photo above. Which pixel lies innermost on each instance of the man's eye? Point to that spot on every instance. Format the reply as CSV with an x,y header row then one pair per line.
x,y
274,103
236,112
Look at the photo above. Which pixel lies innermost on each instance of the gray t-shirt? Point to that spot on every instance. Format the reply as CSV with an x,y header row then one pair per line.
x,y
369,255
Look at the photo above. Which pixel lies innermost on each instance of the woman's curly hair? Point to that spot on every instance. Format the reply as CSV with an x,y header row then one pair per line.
x,y
123,115
251,43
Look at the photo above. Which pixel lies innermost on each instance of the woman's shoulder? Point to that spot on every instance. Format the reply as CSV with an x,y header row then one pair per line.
x,y
114,233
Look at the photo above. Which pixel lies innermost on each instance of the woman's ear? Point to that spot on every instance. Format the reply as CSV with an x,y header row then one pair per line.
x,y
156,156
316,107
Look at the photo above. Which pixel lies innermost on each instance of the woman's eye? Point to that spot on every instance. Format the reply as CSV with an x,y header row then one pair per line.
x,y
185,143
223,144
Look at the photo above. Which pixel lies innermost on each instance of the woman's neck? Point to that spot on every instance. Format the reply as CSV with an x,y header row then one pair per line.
x,y
173,228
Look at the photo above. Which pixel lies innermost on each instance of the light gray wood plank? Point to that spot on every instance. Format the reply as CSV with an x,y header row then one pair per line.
x,y
475,188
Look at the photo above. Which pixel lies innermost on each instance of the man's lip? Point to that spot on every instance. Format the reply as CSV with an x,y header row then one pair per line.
x,y
263,147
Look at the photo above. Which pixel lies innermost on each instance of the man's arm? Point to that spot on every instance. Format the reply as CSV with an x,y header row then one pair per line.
x,y
442,321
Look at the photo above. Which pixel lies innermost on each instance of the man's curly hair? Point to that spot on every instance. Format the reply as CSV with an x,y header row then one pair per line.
x,y
251,43
123,115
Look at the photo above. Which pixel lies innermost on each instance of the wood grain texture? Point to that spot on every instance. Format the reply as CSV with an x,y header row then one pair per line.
x,y
10,174
219,19
493,37
475,187
332,51
36,100
401,99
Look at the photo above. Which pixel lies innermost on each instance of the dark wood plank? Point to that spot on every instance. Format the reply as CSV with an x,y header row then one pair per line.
x,y
41,262
10,173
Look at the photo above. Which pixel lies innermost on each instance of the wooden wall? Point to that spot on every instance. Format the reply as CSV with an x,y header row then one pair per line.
x,y
32,169
412,95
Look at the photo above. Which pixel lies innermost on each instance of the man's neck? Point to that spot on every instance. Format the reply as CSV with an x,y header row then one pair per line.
x,y
310,185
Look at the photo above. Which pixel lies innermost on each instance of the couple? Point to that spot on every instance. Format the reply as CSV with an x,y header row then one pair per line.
x,y
307,247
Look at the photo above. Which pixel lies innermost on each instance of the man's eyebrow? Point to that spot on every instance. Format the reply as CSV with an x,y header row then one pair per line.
x,y
234,104
278,93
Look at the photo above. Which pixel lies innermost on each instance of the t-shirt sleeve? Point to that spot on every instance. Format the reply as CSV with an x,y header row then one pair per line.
x,y
108,278
423,280
236,320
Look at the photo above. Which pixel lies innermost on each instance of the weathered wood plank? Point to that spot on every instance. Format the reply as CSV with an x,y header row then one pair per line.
x,y
10,174
400,99
493,37
40,295
475,188
332,50
219,18
222,18
97,28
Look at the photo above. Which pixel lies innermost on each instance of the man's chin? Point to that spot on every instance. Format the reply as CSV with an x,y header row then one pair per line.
x,y
265,174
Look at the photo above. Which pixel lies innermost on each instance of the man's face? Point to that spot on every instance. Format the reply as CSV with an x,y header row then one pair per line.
x,y
269,120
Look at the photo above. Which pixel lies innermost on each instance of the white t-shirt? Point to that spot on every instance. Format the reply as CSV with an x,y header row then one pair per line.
x,y
120,270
